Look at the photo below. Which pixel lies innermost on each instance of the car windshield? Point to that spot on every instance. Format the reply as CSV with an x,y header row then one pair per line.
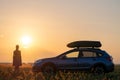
x,y
66,53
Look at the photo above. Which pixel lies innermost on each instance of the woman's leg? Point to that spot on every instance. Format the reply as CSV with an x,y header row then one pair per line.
x,y
16,68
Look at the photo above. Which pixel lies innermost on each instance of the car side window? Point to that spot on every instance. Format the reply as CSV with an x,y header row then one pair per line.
x,y
72,55
89,54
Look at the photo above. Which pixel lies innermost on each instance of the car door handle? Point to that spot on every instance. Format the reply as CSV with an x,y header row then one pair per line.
x,y
75,59
94,59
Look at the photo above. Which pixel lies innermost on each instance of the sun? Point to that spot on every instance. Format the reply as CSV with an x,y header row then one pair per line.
x,y
26,41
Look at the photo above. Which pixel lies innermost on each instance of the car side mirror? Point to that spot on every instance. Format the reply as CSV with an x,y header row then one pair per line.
x,y
63,57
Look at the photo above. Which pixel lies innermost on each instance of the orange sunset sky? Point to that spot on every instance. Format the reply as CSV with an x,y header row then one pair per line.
x,y
42,28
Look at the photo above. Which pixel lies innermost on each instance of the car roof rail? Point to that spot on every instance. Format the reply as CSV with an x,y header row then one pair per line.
x,y
87,47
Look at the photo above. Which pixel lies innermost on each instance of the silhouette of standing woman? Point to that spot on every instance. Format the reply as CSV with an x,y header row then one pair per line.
x,y
17,61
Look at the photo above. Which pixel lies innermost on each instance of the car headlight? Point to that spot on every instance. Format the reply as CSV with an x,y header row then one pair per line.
x,y
37,62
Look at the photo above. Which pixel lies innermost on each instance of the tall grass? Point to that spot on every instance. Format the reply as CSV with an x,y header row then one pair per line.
x,y
25,73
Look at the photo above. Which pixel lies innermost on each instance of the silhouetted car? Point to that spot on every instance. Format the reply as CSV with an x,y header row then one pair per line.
x,y
78,59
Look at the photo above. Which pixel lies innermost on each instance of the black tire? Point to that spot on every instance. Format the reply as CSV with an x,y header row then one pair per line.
x,y
48,69
99,70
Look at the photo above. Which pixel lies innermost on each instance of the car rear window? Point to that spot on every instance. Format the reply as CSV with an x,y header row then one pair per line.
x,y
99,54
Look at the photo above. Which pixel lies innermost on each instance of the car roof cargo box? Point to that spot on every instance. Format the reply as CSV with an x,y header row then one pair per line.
x,y
83,44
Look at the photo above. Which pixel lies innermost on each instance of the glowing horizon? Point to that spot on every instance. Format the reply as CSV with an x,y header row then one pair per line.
x,y
50,25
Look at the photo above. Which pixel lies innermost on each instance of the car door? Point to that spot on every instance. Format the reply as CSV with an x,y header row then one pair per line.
x,y
86,59
69,60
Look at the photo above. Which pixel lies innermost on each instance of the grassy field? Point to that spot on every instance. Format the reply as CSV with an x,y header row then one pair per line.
x,y
25,73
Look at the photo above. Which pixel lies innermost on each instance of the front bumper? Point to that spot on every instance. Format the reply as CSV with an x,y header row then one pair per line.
x,y
36,69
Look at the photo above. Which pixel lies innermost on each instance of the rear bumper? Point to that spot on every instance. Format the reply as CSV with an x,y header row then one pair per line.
x,y
110,68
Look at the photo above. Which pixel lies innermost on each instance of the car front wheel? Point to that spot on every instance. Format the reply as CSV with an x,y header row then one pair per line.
x,y
48,69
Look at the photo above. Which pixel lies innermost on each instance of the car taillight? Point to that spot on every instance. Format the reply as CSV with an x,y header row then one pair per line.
x,y
109,58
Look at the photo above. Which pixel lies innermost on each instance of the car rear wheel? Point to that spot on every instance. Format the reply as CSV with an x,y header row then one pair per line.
x,y
99,70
